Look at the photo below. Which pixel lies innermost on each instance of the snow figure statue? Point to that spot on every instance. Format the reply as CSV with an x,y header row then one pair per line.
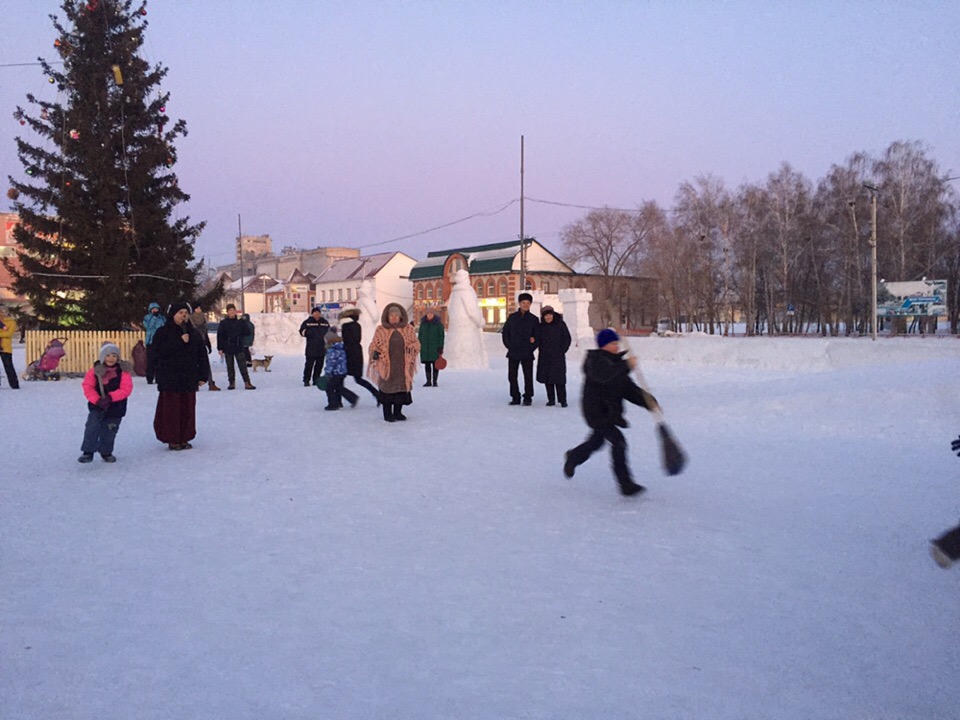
x,y
369,315
464,346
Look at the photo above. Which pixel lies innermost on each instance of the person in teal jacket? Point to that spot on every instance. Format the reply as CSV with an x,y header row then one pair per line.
x,y
152,321
430,336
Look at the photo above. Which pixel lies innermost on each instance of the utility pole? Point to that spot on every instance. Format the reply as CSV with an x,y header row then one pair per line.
x,y
873,259
243,279
523,239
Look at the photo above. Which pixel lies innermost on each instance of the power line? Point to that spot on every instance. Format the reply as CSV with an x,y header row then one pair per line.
x,y
441,227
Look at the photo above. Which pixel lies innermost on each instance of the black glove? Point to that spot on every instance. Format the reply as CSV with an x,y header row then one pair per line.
x,y
104,402
955,446
376,355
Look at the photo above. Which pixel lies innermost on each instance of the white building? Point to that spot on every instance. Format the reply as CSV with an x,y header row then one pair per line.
x,y
338,285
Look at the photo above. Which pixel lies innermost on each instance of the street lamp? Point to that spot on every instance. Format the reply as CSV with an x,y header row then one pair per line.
x,y
873,190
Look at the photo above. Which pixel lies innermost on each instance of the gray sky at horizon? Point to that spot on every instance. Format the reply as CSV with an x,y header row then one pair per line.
x,y
354,123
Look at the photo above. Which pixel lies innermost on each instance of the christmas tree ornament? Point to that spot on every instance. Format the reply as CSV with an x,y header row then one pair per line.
x,y
22,121
74,134
51,81
117,75
163,108
31,171
13,193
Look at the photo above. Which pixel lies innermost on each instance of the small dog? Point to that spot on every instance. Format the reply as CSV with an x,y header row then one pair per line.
x,y
263,362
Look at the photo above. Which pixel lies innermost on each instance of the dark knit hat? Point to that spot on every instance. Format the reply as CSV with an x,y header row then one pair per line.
x,y
524,296
177,307
607,336
547,310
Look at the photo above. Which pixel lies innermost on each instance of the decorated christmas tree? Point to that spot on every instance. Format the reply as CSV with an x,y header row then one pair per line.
x,y
98,237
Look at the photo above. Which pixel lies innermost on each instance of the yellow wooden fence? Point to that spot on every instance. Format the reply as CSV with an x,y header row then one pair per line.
x,y
82,346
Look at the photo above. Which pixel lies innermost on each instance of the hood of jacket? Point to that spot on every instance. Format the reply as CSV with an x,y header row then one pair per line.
x,y
385,315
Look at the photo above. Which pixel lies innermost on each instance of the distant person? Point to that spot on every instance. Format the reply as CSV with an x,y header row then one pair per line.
x,y
107,385
552,357
249,334
152,322
946,548
8,328
352,333
230,339
394,356
198,318
430,336
335,370
182,369
314,329
606,384
521,337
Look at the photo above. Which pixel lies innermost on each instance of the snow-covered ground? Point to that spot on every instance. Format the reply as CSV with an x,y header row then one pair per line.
x,y
307,564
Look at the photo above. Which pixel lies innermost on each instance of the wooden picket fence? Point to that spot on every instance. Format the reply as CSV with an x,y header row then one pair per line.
x,y
82,346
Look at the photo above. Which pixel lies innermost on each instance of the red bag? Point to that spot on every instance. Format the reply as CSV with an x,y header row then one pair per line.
x,y
441,362
139,354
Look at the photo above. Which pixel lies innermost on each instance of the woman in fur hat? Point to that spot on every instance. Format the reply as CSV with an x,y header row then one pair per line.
x,y
107,385
182,369
552,359
352,335
394,356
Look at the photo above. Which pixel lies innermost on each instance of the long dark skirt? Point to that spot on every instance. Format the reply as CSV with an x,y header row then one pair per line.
x,y
175,421
400,398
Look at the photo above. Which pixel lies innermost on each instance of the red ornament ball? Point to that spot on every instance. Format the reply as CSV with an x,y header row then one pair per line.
x,y
13,193
23,122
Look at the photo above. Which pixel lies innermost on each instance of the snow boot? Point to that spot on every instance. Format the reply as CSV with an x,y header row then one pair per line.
x,y
569,466
388,413
213,387
945,550
109,458
630,488
248,386
85,458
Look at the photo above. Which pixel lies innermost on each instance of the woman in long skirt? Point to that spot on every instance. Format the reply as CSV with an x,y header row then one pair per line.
x,y
182,369
394,357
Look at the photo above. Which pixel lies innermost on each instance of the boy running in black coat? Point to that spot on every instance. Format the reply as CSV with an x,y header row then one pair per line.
x,y
607,383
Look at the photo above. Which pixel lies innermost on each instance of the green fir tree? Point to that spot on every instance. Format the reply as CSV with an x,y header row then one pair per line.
x,y
98,236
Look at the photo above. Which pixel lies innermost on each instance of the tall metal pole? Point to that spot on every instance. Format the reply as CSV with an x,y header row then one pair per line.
x,y
243,279
873,263
523,240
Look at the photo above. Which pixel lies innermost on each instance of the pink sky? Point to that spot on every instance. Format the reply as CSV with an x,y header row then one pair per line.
x,y
354,123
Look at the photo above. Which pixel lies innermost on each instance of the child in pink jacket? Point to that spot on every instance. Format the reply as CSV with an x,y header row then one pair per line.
x,y
107,385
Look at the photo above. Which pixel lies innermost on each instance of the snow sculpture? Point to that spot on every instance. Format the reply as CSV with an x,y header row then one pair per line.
x,y
464,346
576,314
369,316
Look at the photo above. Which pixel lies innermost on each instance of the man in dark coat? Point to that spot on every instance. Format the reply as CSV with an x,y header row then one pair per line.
x,y
352,335
607,383
182,367
314,329
230,336
521,336
551,360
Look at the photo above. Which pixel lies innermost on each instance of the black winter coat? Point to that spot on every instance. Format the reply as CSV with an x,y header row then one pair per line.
x,y
606,384
314,331
230,335
554,343
352,334
516,334
181,366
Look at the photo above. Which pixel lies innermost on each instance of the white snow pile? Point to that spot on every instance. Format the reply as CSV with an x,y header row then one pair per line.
x,y
304,564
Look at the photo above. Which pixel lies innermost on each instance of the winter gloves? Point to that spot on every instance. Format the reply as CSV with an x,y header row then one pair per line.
x,y
955,446
104,402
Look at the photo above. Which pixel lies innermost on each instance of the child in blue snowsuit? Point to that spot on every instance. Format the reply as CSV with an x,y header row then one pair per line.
x,y
335,371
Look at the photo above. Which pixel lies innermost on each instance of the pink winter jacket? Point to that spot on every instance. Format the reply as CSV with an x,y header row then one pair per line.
x,y
91,388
